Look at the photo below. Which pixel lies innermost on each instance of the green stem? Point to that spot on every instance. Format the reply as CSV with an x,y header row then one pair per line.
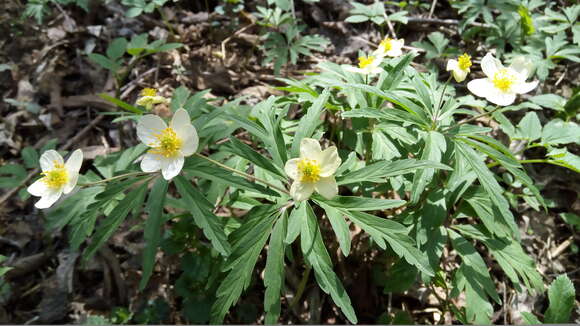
x,y
249,176
301,286
490,165
165,21
121,176
440,103
472,118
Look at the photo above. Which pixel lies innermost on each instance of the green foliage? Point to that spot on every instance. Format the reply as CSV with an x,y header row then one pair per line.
x,y
374,13
562,297
37,9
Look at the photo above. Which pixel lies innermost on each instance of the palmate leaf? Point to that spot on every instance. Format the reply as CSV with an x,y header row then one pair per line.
x,y
153,228
111,223
274,272
340,228
473,277
316,255
247,242
385,231
510,256
352,203
200,209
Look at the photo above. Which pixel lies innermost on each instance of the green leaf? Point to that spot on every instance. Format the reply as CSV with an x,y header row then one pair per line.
x,y
352,203
200,168
316,255
530,127
473,276
294,222
104,62
200,208
153,228
491,186
530,319
562,299
558,132
12,175
122,104
237,147
382,229
571,219
110,224
30,157
356,19
435,146
340,227
274,273
400,277
117,48
247,241
71,208
310,121
379,171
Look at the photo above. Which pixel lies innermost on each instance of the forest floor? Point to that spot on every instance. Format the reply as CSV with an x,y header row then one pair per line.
x,y
52,86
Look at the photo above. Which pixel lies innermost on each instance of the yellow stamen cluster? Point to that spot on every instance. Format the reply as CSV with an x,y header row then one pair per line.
x,y
56,177
168,143
309,170
464,61
149,92
503,80
365,61
386,44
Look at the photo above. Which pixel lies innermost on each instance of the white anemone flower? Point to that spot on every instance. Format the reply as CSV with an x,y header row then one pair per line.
x,y
314,170
390,48
58,177
169,145
459,68
502,84
149,98
367,65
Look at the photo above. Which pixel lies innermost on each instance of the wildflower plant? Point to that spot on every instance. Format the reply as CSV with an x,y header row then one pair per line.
x,y
403,160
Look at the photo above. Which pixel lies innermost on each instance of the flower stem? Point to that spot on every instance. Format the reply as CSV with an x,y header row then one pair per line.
x,y
473,118
440,103
249,176
121,176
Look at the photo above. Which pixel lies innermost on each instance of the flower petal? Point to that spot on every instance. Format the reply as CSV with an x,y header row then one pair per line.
x,y
38,188
523,66
459,74
171,168
481,87
327,187
394,52
501,98
151,162
190,140
48,199
180,121
301,191
354,69
310,148
49,158
490,65
523,88
452,64
329,161
74,162
148,126
291,168
73,178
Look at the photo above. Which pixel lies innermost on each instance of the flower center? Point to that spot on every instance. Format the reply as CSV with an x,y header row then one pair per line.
x,y
503,80
365,61
464,61
149,92
168,144
387,44
56,177
309,170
